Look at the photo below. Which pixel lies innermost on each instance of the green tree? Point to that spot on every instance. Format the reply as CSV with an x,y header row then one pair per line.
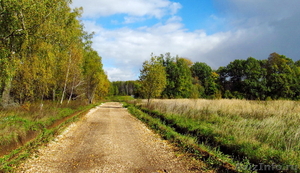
x,y
183,84
206,77
236,73
213,90
18,21
255,84
179,78
28,45
94,76
43,52
172,73
202,71
152,78
296,86
281,76
297,63
103,87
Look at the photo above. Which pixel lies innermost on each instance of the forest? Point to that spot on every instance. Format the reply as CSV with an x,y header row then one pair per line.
x,y
45,54
277,77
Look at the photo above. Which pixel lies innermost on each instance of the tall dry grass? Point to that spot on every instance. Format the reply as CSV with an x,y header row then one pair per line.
x,y
270,126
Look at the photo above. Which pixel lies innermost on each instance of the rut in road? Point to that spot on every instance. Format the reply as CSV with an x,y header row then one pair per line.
x,y
108,139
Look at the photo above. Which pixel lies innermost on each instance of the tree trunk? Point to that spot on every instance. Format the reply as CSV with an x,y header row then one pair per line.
x,y
72,90
66,80
53,95
148,103
6,93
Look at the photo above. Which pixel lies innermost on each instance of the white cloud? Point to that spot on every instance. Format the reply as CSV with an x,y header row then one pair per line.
x,y
153,8
174,19
131,19
256,31
129,48
174,7
119,74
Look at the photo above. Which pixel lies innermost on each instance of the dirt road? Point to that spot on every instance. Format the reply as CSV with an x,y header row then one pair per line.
x,y
109,140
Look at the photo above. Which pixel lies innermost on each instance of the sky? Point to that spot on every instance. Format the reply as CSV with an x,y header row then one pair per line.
x,y
216,32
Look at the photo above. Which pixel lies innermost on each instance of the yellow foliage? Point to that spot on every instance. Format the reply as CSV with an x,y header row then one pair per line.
x,y
214,75
26,106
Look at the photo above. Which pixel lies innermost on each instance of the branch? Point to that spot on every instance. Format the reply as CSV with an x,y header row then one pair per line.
x,y
23,22
13,34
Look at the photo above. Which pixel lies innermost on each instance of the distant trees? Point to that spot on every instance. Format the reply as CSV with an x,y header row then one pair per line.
x,y
125,88
274,78
205,77
244,79
183,81
43,50
171,75
179,79
281,76
255,83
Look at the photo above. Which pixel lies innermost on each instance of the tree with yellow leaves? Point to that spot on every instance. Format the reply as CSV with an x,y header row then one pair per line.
x,y
152,78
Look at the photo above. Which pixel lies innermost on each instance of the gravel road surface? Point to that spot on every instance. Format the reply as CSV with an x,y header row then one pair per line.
x,y
109,140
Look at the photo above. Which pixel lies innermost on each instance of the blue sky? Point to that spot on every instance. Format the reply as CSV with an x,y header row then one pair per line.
x,y
212,31
194,15
199,15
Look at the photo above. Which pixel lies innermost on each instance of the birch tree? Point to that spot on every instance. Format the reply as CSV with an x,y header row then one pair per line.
x,y
152,78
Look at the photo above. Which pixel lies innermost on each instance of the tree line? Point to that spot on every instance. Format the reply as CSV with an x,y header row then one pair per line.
x,y
46,55
276,77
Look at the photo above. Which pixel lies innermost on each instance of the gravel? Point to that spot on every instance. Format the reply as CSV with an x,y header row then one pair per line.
x,y
108,139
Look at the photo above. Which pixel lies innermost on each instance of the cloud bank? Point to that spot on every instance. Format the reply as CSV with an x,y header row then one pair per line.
x,y
249,28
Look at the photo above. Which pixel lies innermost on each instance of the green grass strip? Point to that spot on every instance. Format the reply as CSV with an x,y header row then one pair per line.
x,y
212,157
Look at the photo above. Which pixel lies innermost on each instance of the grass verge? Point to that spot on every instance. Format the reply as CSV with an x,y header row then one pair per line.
x,y
43,130
214,159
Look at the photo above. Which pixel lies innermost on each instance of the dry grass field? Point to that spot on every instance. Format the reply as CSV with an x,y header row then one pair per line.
x,y
263,131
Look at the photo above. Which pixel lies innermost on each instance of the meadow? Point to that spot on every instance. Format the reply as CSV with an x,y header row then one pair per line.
x,y
261,131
